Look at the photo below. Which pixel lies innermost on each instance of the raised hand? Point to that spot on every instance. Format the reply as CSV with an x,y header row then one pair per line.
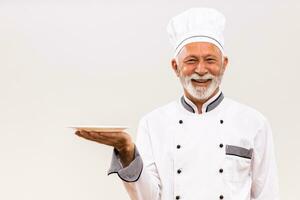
x,y
119,140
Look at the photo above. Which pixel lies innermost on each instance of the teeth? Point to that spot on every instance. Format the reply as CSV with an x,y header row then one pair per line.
x,y
201,80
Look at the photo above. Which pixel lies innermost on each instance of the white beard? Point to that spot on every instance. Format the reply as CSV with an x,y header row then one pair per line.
x,y
201,93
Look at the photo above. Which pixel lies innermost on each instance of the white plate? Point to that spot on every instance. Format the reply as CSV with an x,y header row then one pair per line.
x,y
100,128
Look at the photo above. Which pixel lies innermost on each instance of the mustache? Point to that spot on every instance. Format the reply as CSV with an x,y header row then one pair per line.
x,y
199,77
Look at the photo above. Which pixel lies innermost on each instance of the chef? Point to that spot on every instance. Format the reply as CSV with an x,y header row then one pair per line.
x,y
202,146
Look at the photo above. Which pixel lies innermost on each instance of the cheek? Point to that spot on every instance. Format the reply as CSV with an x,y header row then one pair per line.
x,y
215,70
186,71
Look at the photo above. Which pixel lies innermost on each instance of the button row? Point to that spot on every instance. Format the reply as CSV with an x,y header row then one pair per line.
x,y
178,197
179,170
221,121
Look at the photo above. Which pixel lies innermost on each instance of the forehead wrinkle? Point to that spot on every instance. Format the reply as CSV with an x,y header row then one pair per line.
x,y
200,50
200,56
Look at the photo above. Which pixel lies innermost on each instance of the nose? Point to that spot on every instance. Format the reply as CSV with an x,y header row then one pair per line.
x,y
201,69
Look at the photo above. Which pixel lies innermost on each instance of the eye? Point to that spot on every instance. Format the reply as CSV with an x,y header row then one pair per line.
x,y
210,60
191,61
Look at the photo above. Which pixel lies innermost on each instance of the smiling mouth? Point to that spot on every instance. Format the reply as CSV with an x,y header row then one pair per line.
x,y
201,81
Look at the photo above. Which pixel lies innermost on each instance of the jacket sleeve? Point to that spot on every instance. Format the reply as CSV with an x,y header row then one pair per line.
x,y
140,178
264,169
132,172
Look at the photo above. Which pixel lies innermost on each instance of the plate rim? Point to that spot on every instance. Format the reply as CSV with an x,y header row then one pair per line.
x,y
106,127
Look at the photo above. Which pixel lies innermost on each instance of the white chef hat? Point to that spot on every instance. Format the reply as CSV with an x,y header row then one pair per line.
x,y
197,25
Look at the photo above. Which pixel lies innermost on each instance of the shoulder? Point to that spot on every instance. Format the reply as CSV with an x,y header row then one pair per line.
x,y
162,112
244,112
244,109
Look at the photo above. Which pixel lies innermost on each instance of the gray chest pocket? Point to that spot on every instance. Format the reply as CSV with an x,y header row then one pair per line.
x,y
237,163
238,151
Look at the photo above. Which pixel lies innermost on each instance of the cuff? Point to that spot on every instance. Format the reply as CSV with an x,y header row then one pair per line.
x,y
132,172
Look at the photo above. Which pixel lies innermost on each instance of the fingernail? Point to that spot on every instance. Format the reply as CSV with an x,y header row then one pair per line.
x,y
77,132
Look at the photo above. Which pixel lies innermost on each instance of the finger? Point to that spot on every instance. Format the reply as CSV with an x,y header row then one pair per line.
x,y
79,134
113,135
90,136
103,139
115,138
84,134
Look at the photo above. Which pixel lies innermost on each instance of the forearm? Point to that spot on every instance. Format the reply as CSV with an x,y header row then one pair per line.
x,y
141,181
147,187
265,184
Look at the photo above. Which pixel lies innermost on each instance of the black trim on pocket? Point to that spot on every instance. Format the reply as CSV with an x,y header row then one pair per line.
x,y
238,151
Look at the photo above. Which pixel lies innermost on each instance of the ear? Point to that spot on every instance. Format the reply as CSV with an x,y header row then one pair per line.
x,y
225,63
175,66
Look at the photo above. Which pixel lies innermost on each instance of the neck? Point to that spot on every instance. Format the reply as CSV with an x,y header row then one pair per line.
x,y
199,102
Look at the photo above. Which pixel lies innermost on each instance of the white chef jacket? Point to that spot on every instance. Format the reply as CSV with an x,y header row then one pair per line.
x,y
226,152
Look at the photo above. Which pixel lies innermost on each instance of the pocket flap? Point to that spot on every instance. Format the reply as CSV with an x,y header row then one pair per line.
x,y
238,151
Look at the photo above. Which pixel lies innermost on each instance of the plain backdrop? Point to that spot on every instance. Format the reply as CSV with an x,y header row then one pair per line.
x,y
69,62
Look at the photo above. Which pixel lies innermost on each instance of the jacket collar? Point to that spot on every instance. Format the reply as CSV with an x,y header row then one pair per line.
x,y
209,105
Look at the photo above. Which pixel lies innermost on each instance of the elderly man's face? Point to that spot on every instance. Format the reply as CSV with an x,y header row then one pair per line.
x,y
200,67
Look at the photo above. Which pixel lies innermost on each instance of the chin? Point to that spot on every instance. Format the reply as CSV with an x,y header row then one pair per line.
x,y
198,92
201,93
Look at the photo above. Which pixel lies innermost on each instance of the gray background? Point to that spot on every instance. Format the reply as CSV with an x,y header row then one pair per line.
x,y
108,63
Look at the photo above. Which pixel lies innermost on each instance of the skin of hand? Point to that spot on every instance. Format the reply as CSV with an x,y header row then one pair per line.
x,y
119,140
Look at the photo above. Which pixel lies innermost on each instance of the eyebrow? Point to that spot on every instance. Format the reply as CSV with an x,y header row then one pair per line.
x,y
190,56
196,57
210,55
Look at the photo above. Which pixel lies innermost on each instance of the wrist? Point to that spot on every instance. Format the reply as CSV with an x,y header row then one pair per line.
x,y
127,154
